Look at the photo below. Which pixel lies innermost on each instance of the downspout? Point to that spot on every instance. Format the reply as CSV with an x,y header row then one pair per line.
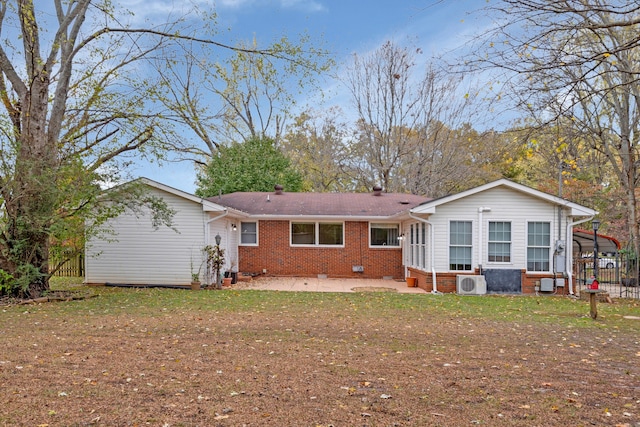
x,y
569,259
480,230
432,250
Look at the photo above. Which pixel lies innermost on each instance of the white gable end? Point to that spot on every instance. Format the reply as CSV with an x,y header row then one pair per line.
x,y
497,204
428,245
141,254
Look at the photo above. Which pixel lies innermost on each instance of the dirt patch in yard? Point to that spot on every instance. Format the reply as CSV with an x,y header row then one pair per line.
x,y
334,361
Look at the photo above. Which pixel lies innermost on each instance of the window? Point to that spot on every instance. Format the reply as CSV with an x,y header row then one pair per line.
x,y
330,233
384,234
303,233
418,245
460,239
538,246
499,242
317,233
248,233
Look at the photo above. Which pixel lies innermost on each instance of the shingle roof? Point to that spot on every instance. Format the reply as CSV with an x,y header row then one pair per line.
x,y
320,204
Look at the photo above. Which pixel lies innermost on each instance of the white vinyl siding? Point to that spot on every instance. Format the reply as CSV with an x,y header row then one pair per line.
x,y
506,205
136,253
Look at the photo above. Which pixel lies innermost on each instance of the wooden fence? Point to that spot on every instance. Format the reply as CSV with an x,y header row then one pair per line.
x,y
73,267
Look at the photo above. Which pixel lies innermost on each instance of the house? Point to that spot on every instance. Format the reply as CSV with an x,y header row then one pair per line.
x,y
321,234
508,237
136,253
501,237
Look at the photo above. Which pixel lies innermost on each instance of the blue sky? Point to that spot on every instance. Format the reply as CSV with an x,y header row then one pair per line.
x,y
439,27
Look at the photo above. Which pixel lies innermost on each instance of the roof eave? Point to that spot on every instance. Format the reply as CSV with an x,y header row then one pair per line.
x,y
324,217
576,209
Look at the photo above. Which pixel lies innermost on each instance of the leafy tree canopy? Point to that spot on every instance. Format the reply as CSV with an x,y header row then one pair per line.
x,y
83,93
254,165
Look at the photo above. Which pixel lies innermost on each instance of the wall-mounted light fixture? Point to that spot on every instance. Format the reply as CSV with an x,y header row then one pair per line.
x,y
233,227
401,237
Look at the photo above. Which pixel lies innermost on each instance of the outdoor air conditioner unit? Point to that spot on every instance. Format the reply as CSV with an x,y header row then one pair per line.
x,y
471,285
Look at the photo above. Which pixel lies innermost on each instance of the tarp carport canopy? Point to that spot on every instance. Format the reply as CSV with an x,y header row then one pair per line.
x,y
583,241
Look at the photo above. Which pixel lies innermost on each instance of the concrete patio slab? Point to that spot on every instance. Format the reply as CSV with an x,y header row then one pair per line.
x,y
314,284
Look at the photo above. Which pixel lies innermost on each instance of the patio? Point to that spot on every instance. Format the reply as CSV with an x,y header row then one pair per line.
x,y
315,284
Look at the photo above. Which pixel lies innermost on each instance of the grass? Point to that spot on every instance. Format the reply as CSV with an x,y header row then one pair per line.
x,y
242,357
365,306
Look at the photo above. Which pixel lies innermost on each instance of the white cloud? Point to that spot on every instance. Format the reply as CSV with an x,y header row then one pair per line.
x,y
233,4
304,5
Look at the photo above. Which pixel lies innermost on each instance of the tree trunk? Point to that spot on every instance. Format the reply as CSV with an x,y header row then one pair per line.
x,y
31,205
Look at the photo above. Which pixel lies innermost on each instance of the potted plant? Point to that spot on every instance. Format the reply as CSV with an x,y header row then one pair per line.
x,y
195,277
195,281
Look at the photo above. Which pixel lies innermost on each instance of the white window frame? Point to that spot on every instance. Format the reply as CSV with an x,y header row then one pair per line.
x,y
316,243
242,233
417,241
397,243
500,242
469,246
543,247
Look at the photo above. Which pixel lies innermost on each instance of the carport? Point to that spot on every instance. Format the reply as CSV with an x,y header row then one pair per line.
x,y
583,242
618,280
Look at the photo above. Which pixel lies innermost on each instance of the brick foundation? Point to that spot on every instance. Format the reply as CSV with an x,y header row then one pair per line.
x,y
446,282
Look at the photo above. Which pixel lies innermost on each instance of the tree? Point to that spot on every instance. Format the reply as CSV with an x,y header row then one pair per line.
x,y
557,160
78,103
448,160
254,165
406,120
319,144
387,108
240,97
575,62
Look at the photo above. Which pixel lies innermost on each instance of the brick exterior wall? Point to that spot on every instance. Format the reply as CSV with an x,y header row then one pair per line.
x,y
279,258
446,282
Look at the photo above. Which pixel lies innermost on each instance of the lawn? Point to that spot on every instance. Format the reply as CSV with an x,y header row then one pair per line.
x,y
162,357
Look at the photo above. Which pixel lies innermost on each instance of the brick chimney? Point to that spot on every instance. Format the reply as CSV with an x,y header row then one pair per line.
x,y
377,190
278,189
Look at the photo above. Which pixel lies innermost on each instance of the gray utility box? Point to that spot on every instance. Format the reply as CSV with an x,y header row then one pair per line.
x,y
547,285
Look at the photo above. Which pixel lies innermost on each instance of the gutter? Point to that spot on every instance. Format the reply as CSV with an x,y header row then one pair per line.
x,y
433,252
569,259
